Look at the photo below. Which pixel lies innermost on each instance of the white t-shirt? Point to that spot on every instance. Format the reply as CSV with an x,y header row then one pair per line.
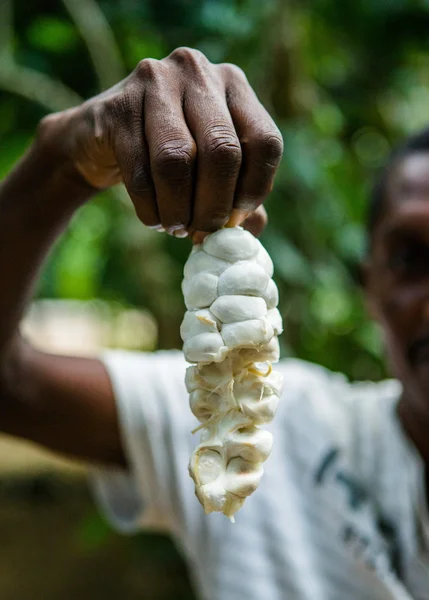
x,y
340,512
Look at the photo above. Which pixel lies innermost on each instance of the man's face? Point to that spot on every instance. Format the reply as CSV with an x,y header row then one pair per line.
x,y
398,273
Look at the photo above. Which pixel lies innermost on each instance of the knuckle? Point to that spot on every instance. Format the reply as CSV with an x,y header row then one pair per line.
x,y
48,122
187,56
233,71
139,181
223,148
48,127
115,106
270,147
51,127
124,107
174,161
49,132
147,69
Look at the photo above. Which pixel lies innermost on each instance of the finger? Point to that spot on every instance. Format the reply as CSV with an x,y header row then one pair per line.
x,y
172,152
260,140
237,217
256,221
198,237
219,156
131,153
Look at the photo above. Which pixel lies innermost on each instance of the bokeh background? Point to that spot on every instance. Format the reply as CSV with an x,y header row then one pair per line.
x,y
344,82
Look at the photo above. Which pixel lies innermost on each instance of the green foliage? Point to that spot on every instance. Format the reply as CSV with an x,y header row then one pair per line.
x,y
52,34
343,86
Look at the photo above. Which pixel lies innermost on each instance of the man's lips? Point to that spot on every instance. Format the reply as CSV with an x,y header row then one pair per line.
x,y
418,351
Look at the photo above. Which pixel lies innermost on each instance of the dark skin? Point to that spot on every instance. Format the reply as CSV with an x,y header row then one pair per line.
x,y
195,149
397,282
210,112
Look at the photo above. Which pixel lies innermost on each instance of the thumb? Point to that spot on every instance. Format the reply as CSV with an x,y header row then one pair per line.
x,y
255,222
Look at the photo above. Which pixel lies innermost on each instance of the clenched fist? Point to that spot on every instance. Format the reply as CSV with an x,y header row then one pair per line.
x,y
188,138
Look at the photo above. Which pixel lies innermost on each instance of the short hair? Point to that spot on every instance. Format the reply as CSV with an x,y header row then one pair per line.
x,y
418,142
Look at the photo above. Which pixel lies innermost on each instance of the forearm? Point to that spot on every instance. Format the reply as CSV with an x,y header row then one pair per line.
x,y
37,200
186,167
64,403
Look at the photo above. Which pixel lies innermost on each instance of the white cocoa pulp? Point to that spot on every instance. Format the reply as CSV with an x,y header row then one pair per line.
x,y
230,332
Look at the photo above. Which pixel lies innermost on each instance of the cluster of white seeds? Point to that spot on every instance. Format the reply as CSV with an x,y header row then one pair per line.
x,y
230,331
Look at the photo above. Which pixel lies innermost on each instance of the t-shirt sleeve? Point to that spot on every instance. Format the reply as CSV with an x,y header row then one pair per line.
x,y
155,421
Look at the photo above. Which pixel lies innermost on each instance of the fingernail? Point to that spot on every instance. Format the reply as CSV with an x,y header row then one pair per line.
x,y
237,217
159,228
180,233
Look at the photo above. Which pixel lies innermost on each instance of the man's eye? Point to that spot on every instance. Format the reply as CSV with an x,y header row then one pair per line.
x,y
410,259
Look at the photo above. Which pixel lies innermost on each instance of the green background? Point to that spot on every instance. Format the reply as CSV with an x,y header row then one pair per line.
x,y
343,82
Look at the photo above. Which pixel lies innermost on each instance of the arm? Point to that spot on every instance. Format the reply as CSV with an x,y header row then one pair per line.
x,y
38,397
147,132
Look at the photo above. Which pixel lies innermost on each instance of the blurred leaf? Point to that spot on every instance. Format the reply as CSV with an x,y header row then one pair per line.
x,y
368,336
289,263
224,17
330,305
346,86
52,34
137,46
80,258
350,242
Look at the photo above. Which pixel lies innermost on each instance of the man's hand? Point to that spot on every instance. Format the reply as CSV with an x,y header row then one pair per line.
x,y
191,142
189,139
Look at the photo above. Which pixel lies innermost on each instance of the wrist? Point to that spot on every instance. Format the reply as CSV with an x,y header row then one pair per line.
x,y
44,188
53,147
